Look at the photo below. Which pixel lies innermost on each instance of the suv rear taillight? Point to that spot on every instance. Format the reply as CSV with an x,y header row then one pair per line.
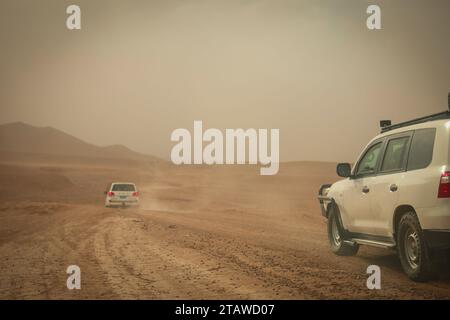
x,y
444,185
110,194
136,194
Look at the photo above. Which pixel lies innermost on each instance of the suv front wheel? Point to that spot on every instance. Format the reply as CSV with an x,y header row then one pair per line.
x,y
412,248
336,238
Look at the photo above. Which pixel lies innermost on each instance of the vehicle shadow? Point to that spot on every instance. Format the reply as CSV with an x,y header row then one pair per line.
x,y
391,262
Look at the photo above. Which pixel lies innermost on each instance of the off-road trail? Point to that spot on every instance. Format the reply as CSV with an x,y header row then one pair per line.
x,y
200,233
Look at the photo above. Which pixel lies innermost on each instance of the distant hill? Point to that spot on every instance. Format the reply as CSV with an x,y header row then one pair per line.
x,y
24,138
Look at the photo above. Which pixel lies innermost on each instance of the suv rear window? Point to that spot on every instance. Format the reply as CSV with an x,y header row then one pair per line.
x,y
123,187
421,151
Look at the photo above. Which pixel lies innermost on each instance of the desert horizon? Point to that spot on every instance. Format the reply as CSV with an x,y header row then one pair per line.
x,y
113,150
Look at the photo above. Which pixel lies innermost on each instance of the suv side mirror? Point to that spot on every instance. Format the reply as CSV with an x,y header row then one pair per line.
x,y
344,170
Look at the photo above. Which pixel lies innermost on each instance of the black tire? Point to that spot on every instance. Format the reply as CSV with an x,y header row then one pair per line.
x,y
412,249
336,237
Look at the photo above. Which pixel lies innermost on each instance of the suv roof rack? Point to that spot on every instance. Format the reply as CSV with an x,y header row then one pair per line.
x,y
436,116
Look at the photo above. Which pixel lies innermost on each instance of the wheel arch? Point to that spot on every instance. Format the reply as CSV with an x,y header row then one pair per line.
x,y
331,204
398,213
334,205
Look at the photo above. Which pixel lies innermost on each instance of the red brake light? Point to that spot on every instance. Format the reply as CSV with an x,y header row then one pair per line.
x,y
136,194
444,185
110,194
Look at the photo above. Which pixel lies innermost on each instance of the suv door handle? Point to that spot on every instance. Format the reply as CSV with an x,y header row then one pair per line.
x,y
365,189
393,187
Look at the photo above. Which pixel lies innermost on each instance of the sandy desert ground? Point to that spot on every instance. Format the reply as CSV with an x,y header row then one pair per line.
x,y
200,233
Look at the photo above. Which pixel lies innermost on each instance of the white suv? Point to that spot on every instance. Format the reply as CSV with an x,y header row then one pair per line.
x,y
397,195
122,194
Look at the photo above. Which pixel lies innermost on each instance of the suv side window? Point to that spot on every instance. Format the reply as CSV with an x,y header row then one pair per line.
x,y
368,163
394,156
421,152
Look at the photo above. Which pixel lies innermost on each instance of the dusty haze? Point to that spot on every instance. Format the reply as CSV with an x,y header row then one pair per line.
x,y
140,69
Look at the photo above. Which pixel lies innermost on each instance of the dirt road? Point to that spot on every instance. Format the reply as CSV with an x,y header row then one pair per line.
x,y
219,233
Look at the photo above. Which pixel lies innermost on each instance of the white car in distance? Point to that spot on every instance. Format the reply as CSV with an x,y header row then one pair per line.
x,y
122,194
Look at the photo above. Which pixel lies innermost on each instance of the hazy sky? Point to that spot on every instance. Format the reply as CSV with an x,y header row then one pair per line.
x,y
137,70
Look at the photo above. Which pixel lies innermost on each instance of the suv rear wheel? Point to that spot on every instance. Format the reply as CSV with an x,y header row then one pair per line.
x,y
412,248
335,236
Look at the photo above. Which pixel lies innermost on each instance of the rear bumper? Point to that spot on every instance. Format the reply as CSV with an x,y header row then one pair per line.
x,y
116,203
437,239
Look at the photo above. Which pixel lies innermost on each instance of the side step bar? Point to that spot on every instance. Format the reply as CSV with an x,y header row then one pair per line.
x,y
373,243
